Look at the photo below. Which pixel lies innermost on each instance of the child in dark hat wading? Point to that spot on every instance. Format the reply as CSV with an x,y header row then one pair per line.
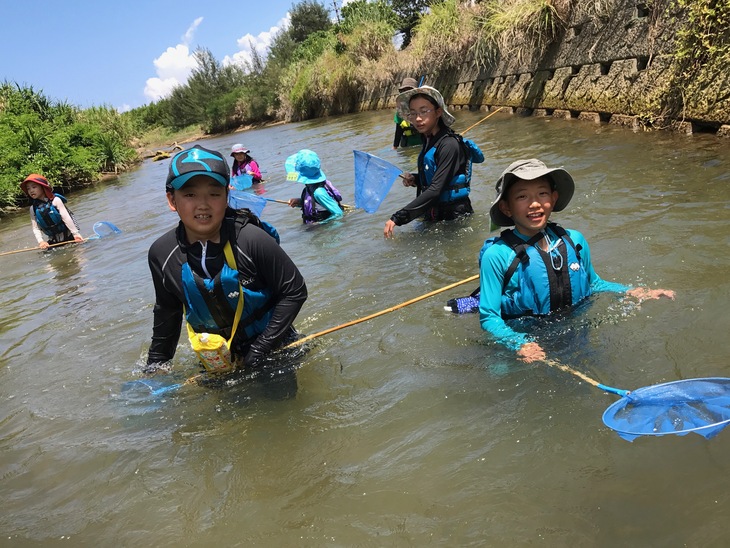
x,y
405,134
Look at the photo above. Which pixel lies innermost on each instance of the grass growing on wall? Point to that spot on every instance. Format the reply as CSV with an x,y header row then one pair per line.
x,y
515,28
701,68
443,36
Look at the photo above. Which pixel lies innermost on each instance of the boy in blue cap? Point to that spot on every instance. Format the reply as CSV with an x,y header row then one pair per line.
x,y
320,200
222,270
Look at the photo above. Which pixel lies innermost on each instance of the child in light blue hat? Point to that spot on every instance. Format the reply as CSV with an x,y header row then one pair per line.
x,y
320,200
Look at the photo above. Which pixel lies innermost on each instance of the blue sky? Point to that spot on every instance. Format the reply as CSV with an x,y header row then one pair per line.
x,y
126,53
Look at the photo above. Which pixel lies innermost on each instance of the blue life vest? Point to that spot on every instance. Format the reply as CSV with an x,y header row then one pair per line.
x,y
459,187
554,281
210,303
49,218
310,212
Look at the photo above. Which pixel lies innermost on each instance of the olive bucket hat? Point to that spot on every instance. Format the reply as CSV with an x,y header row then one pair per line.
x,y
529,170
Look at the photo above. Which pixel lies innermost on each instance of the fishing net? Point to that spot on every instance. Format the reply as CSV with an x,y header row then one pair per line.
x,y
239,199
242,182
373,179
679,407
104,228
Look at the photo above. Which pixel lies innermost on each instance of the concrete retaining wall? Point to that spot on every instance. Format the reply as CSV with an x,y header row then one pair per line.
x,y
612,69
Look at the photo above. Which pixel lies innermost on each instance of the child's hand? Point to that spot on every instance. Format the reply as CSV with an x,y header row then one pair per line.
x,y
388,230
295,202
43,245
531,352
78,238
408,179
644,293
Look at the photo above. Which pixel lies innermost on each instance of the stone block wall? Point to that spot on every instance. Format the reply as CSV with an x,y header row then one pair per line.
x,y
599,68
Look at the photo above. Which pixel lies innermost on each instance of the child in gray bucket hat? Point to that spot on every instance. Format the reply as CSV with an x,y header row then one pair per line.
x,y
444,163
537,267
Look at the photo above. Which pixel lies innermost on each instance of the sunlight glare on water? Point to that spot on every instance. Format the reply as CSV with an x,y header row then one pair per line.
x,y
409,429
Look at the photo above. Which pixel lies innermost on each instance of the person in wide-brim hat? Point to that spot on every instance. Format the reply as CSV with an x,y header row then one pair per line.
x,y
320,200
538,268
244,164
530,170
444,164
403,102
405,134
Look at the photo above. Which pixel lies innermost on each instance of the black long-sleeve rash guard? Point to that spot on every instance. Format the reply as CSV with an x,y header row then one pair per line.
x,y
261,263
450,160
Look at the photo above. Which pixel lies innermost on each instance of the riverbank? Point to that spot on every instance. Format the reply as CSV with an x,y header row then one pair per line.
x,y
156,141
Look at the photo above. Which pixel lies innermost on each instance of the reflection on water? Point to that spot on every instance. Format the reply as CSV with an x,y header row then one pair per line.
x,y
408,429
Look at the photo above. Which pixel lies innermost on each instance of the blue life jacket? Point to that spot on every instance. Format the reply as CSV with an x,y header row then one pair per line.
x,y
210,303
565,289
459,187
555,280
310,212
49,218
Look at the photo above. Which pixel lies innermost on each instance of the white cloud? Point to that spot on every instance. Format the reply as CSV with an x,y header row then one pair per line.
x,y
173,67
188,36
260,43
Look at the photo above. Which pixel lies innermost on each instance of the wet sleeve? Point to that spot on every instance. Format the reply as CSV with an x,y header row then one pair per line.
x,y
493,267
398,134
167,314
253,169
66,217
276,271
598,284
447,158
34,225
328,202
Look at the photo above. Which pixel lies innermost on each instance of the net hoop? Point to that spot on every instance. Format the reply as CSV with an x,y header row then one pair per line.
x,y
679,407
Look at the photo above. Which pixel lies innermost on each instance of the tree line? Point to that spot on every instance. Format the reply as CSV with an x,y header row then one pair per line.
x,y
317,66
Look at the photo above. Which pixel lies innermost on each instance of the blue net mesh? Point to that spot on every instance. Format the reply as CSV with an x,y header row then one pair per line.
x,y
105,228
238,199
373,179
680,407
242,182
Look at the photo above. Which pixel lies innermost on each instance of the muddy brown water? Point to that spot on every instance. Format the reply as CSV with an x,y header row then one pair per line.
x,y
411,429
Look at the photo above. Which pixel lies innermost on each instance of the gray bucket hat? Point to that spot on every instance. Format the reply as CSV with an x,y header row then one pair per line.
x,y
404,98
529,170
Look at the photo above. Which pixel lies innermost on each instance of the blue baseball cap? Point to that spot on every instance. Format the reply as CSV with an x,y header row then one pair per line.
x,y
197,161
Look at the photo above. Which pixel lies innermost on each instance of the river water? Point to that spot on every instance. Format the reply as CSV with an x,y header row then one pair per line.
x,y
410,429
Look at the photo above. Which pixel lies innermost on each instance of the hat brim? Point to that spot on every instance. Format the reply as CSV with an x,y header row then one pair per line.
x,y
564,185
178,182
47,189
295,176
403,100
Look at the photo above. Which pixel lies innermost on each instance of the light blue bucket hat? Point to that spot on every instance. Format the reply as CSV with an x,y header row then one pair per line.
x,y
304,167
